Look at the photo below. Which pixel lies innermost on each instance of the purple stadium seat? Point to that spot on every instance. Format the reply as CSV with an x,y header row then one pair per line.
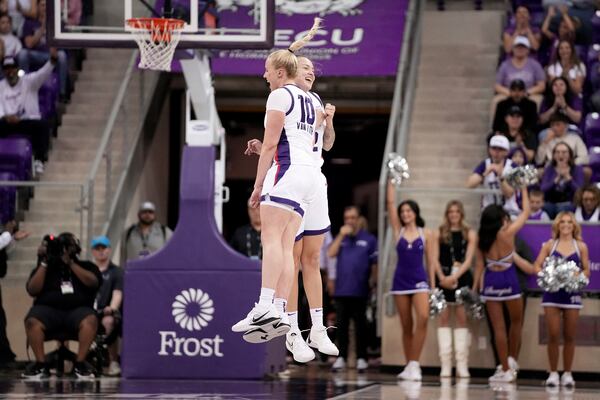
x,y
48,96
8,197
595,163
15,157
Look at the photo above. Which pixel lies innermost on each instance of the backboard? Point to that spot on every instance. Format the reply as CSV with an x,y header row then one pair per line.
x,y
252,28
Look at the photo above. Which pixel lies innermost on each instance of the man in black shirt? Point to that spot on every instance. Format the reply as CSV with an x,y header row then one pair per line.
x,y
518,97
64,289
109,299
246,239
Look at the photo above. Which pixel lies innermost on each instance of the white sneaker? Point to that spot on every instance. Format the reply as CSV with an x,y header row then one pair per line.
x,y
339,364
260,315
318,339
513,364
412,372
114,369
38,167
297,346
567,380
362,365
269,331
503,376
553,379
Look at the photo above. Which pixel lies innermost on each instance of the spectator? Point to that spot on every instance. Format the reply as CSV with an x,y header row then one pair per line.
x,y
560,180
246,239
567,64
536,201
356,252
20,110
517,135
144,237
587,200
518,156
522,27
19,10
489,173
12,44
10,234
36,52
109,299
64,289
561,99
517,97
520,66
566,27
558,132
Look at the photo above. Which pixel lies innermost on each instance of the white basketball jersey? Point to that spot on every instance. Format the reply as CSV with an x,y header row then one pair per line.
x,y
320,132
297,141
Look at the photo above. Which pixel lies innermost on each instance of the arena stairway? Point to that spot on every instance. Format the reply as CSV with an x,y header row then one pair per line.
x,y
55,209
450,116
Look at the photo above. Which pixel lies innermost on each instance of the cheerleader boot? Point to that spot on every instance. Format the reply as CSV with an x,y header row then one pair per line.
x,y
445,351
461,350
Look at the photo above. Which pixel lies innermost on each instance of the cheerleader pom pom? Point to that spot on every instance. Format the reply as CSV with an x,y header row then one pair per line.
x,y
437,302
398,169
521,177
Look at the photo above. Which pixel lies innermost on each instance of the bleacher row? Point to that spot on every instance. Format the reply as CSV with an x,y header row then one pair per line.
x,y
587,47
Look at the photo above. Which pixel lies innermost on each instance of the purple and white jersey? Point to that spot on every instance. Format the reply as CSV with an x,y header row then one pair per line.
x,y
296,144
562,298
492,181
319,133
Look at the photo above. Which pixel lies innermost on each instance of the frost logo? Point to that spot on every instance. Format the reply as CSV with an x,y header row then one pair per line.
x,y
193,309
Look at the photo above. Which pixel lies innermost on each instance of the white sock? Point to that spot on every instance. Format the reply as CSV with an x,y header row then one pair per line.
x,y
316,317
266,296
280,304
293,319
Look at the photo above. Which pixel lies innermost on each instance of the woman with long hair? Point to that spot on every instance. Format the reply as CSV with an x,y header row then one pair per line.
x,y
560,98
283,186
496,279
567,64
412,278
453,256
562,306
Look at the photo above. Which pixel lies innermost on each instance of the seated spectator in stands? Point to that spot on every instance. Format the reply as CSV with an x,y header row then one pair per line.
x,y
567,64
20,110
522,27
489,173
64,288
536,202
518,98
520,66
566,27
144,237
518,156
560,180
561,99
12,44
109,299
19,10
558,132
36,52
587,200
246,239
517,135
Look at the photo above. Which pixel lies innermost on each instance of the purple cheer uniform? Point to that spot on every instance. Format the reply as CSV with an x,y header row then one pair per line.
x,y
562,298
500,283
410,276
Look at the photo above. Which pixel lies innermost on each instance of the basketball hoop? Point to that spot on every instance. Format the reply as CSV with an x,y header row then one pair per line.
x,y
157,39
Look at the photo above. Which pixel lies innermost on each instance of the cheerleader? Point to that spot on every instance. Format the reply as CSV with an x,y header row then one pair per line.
x,y
453,255
412,279
563,306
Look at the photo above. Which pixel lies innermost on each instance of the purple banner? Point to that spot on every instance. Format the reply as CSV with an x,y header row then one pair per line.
x,y
358,38
536,234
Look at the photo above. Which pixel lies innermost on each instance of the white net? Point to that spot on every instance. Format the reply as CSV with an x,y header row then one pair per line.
x,y
157,39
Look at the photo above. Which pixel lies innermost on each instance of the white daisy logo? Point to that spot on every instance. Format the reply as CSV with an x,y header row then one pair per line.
x,y
193,309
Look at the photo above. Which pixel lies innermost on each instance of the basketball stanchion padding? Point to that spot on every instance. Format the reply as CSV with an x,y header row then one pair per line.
x,y
157,39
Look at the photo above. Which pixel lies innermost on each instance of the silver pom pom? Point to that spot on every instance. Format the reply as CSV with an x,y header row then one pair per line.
x,y
470,300
521,177
437,302
559,273
398,168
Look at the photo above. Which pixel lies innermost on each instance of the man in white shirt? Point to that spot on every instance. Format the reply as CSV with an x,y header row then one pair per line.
x,y
19,106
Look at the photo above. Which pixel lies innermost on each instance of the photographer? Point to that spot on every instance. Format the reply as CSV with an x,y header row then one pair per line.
x,y
64,289
10,234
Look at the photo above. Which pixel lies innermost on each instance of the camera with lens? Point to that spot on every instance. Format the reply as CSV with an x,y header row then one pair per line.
x,y
57,246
